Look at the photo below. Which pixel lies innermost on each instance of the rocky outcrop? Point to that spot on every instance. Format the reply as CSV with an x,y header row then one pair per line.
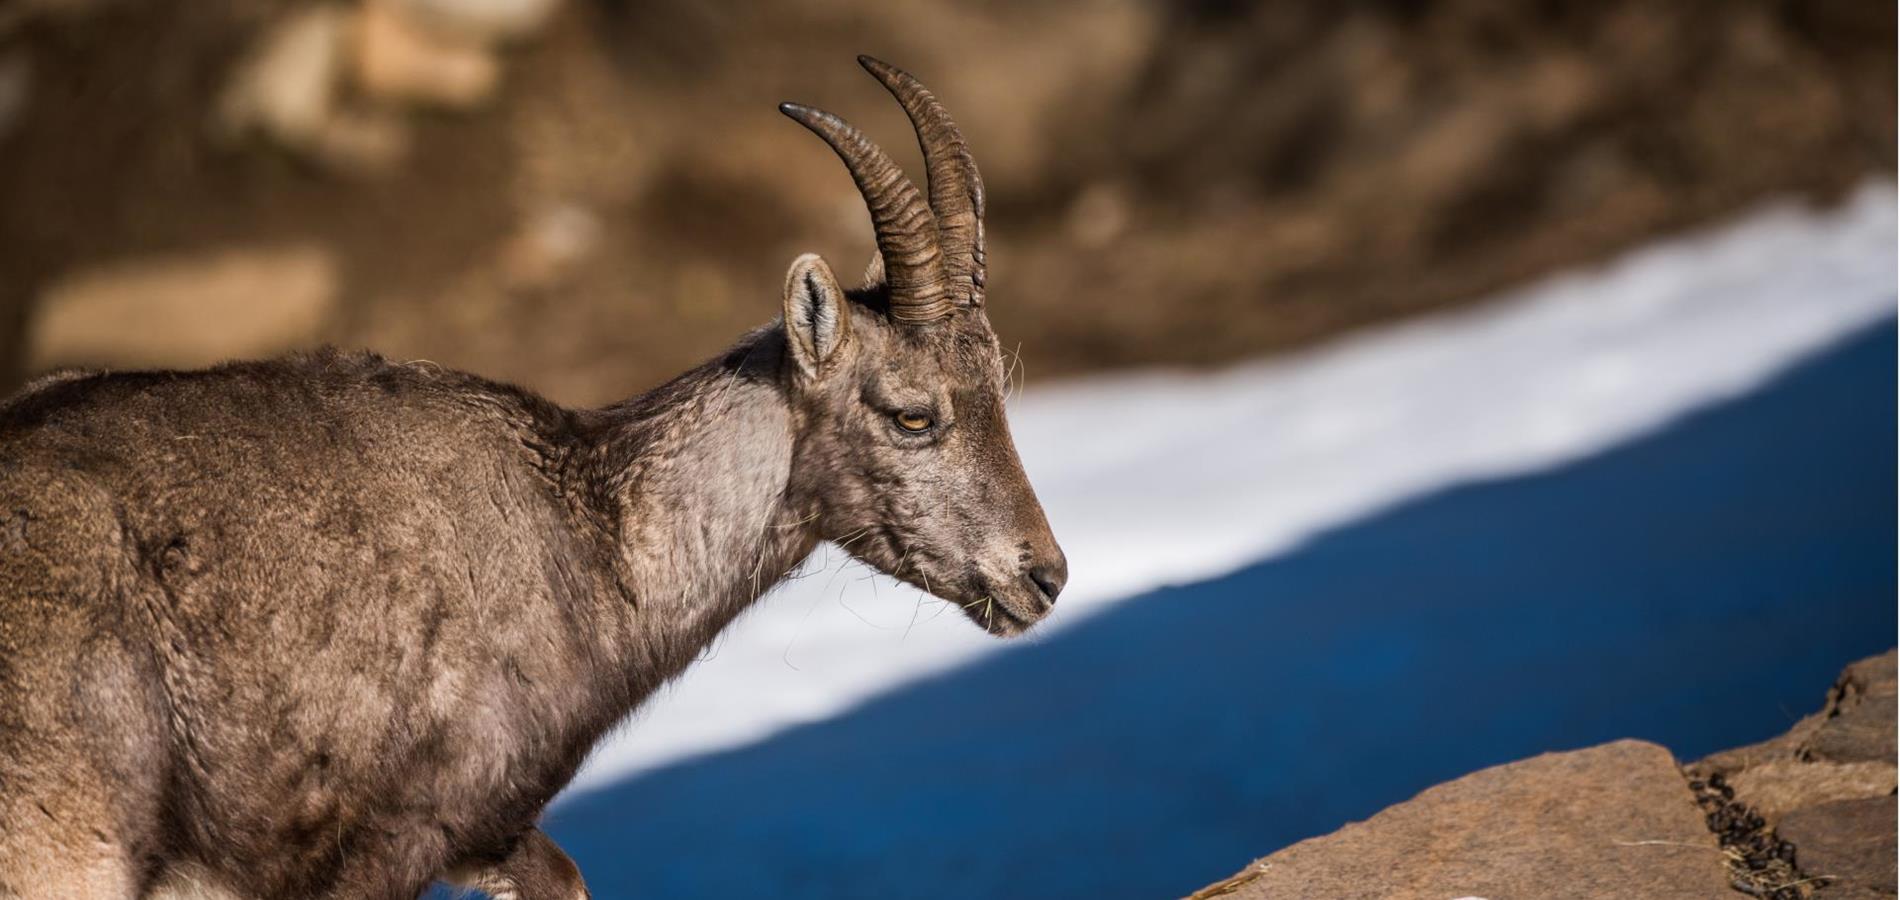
x,y
1827,786
327,81
1611,822
191,309
1288,170
1809,814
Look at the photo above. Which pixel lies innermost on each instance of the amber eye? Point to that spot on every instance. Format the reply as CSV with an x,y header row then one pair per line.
x,y
913,421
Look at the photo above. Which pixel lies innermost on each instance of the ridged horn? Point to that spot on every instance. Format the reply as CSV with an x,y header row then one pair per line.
x,y
906,230
956,188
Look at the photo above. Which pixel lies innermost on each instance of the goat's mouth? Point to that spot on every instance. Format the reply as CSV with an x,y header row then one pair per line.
x,y
1000,620
982,602
993,613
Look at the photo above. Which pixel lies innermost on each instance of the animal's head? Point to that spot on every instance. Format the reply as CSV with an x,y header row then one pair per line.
x,y
899,386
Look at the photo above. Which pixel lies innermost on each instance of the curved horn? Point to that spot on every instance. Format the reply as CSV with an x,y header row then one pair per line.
x,y
956,189
906,231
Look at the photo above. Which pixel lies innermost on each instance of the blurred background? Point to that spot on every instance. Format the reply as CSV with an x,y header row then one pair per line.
x,y
1417,384
591,196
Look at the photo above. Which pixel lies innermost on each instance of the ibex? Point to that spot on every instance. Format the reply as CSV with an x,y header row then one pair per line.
x,y
334,626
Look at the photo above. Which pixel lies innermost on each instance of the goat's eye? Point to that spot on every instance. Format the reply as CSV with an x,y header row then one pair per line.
x,y
913,421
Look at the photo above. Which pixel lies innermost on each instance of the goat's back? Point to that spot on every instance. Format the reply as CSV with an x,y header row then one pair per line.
x,y
275,600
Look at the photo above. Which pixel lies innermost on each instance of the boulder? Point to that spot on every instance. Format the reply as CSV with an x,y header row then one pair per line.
x,y
1859,721
400,60
1827,786
1613,821
484,21
1847,845
1777,787
1809,815
288,88
286,83
189,309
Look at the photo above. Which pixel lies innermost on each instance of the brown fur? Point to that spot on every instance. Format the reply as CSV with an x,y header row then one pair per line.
x,y
334,626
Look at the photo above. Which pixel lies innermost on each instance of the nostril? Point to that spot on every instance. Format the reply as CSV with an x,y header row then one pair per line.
x,y
1049,580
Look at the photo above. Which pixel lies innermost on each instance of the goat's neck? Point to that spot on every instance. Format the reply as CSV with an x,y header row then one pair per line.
x,y
697,486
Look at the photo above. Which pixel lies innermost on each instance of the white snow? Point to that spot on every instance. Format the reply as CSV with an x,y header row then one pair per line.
x,y
1169,477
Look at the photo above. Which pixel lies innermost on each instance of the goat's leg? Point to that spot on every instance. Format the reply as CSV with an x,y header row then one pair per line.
x,y
58,834
53,860
79,757
68,872
535,870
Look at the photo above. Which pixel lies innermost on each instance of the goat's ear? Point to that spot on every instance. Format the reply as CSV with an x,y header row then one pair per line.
x,y
817,318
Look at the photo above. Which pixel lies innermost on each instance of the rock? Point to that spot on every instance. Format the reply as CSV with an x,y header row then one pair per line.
x,y
286,84
486,21
188,310
402,60
1613,821
1808,814
291,85
1777,787
287,88
1827,786
1850,843
1859,723
1844,752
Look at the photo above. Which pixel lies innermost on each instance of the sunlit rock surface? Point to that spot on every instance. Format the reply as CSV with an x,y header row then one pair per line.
x,y
1807,814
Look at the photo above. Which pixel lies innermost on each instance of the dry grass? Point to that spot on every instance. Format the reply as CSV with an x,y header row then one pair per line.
x,y
1234,883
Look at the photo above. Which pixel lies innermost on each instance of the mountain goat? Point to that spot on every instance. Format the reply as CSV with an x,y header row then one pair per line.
x,y
334,626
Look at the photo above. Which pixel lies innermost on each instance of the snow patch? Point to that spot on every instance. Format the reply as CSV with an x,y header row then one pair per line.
x,y
1158,478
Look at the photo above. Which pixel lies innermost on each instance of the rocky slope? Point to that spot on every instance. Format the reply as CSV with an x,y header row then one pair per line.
x,y
1809,814
1826,788
589,196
